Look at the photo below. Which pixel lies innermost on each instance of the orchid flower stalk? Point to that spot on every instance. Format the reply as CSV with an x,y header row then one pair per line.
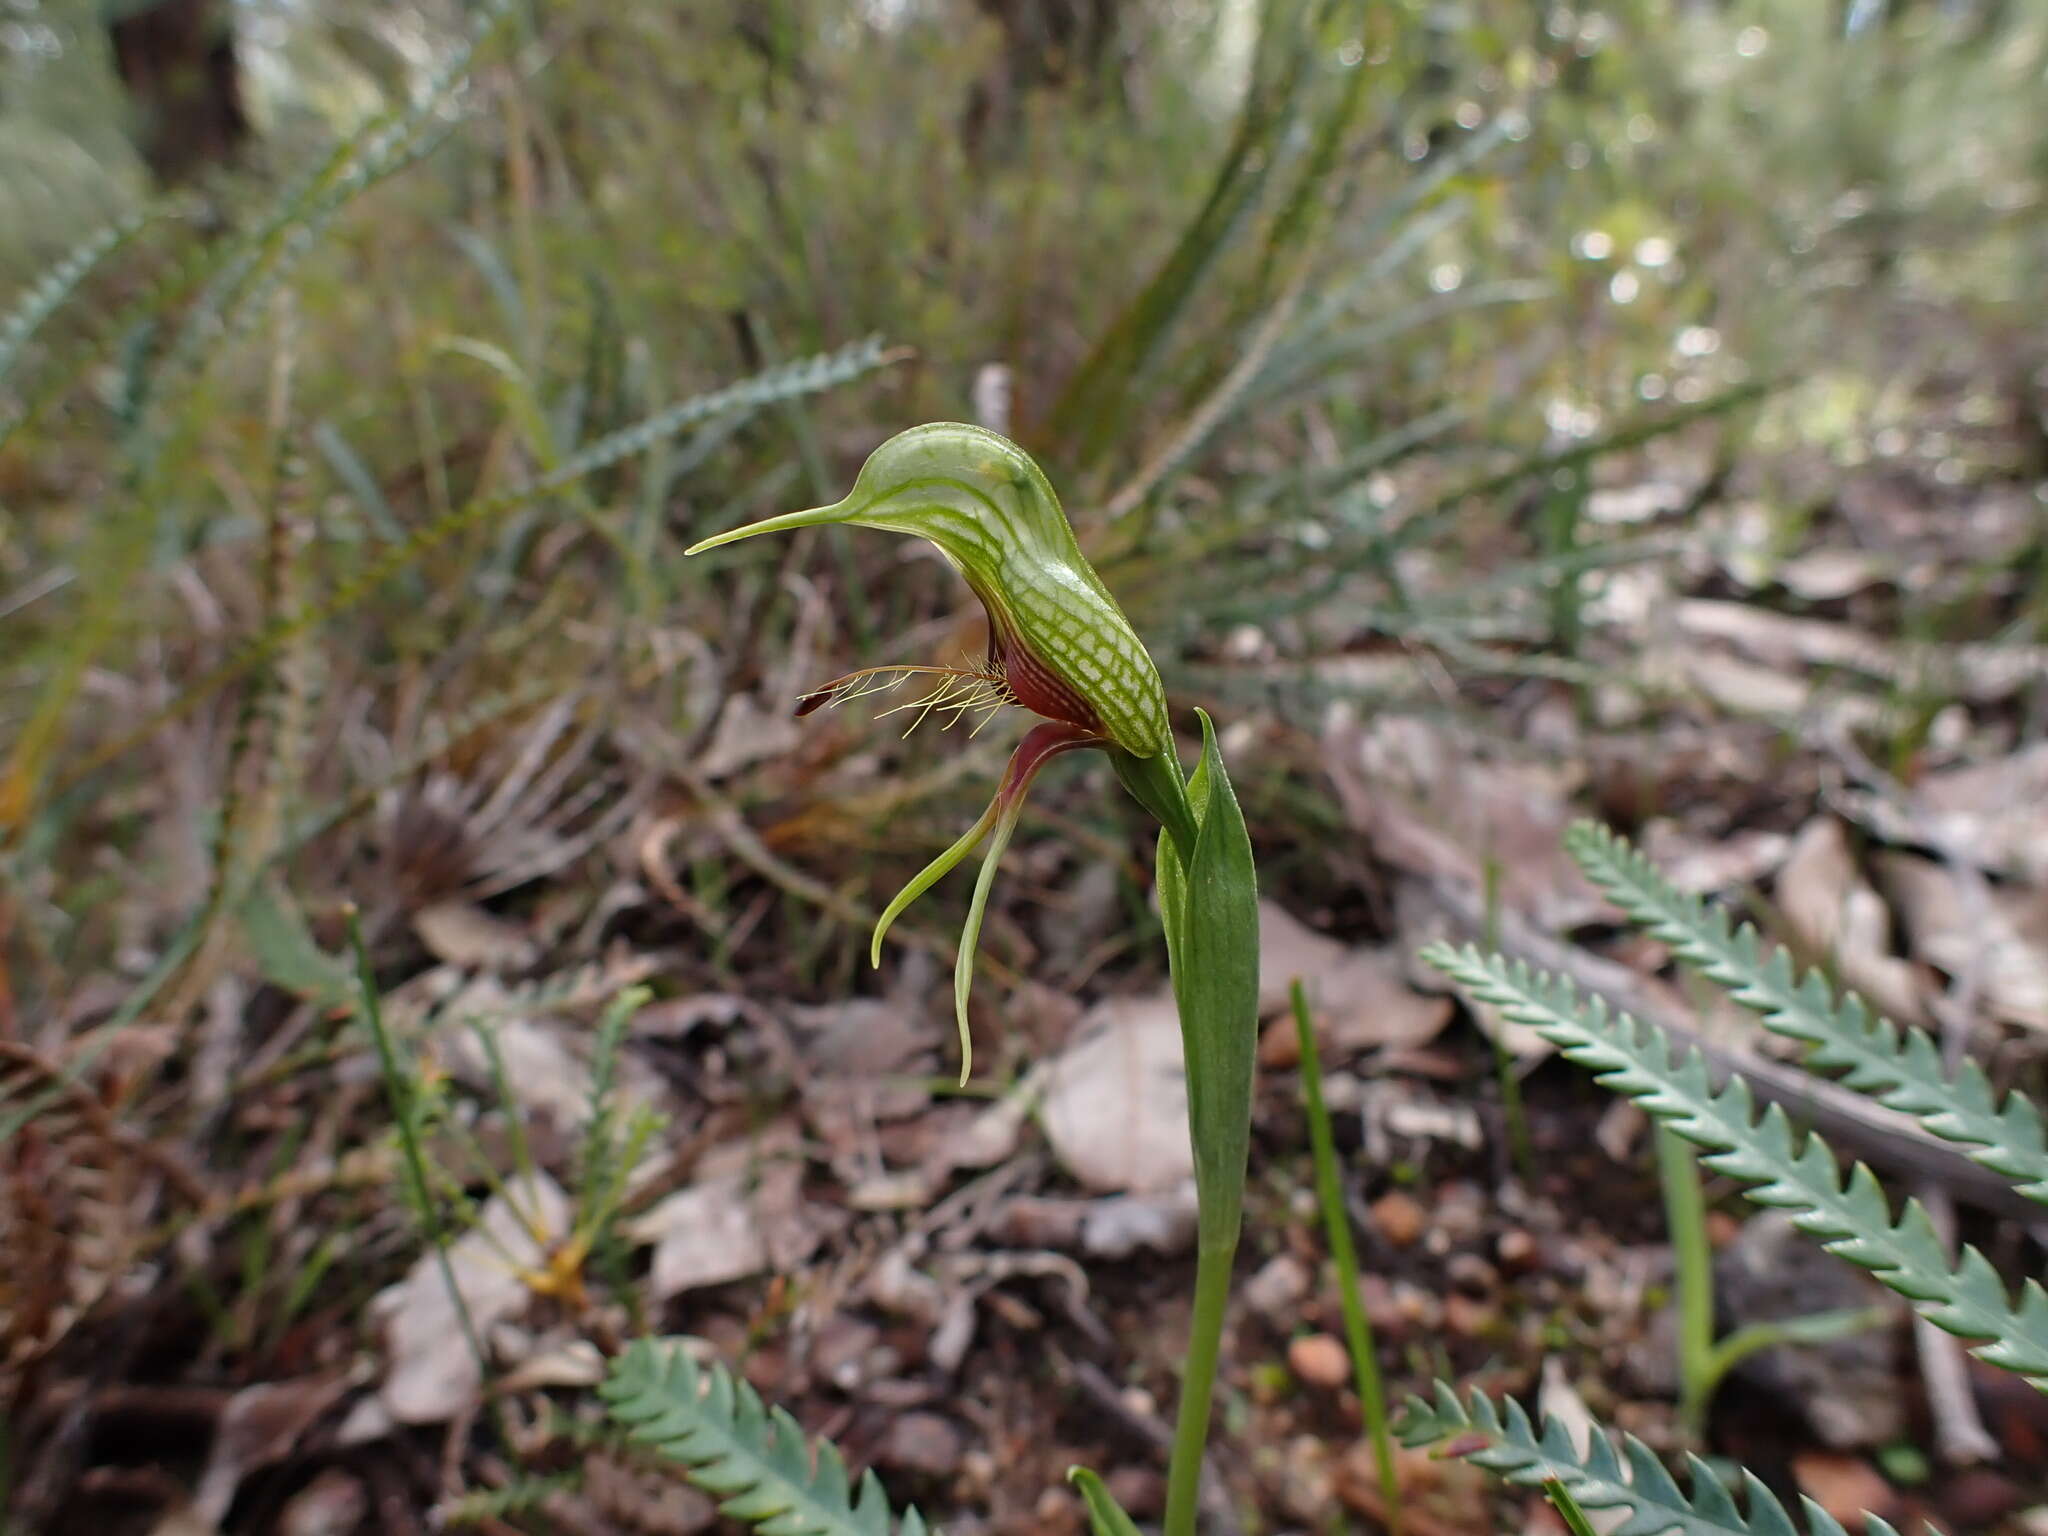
x,y
1061,648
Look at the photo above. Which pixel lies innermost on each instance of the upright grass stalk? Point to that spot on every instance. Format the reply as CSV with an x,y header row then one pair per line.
x,y
399,1089
1520,1149
1704,1360
1365,1363
1685,1218
1567,1507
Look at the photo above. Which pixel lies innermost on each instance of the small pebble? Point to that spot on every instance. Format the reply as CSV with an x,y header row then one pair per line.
x,y
1472,1274
1382,1307
922,1442
1399,1217
333,1504
1277,1291
1320,1360
1518,1252
1844,1486
1469,1317
842,1351
1420,1307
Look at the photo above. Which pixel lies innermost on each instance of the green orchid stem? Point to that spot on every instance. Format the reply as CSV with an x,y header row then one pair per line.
x,y
1214,1261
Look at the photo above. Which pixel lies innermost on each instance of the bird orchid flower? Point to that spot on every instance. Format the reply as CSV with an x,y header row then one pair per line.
x,y
1058,646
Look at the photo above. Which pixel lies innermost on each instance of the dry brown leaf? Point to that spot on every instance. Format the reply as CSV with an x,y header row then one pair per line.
x,y
1782,640
184,1520
1120,1225
884,1047
1838,918
259,1425
1637,503
1994,814
544,1072
747,733
461,933
1116,1099
333,1504
1746,688
1999,939
1359,998
1432,805
1558,1400
1847,1487
1703,866
1289,948
742,1214
433,1373
1823,575
566,1362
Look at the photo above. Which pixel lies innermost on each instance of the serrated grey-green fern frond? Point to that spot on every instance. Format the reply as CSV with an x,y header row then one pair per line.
x,y
47,294
523,1494
1632,1480
1900,1067
1851,1219
786,382
256,264
753,1459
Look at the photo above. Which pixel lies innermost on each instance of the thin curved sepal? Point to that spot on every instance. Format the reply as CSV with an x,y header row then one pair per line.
x,y
970,932
1041,744
928,877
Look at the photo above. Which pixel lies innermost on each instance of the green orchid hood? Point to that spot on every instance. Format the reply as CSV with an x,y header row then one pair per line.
x,y
1056,636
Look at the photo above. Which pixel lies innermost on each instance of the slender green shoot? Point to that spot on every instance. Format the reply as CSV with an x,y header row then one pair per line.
x,y
1105,1516
1813,1328
401,1091
1685,1218
1520,1148
1567,1507
1365,1364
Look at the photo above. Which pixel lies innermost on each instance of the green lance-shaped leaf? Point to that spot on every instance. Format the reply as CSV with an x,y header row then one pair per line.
x,y
1209,902
1106,1517
1057,639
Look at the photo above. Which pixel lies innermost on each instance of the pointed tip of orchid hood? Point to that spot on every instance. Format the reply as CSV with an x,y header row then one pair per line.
x,y
810,517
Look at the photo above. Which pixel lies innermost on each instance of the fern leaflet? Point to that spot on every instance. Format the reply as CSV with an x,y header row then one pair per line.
x,y
1632,1480
45,297
1852,1219
1899,1067
754,1459
786,382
